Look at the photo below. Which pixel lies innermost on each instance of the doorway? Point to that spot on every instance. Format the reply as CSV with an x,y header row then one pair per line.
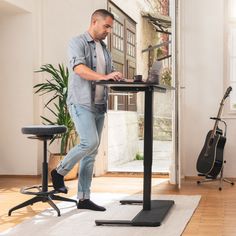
x,y
125,154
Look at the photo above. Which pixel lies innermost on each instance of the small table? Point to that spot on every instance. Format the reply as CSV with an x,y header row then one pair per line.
x,y
154,211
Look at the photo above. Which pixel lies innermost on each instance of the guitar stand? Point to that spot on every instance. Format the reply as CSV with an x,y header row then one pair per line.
x,y
212,178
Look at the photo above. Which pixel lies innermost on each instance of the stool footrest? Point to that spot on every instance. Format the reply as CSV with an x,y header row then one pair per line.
x,y
25,190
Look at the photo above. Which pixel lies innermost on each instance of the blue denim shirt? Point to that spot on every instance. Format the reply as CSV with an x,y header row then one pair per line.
x,y
82,50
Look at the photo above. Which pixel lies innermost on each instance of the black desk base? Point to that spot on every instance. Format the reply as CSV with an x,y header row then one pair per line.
x,y
151,218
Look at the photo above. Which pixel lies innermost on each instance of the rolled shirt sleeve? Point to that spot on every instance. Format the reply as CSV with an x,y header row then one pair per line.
x,y
76,53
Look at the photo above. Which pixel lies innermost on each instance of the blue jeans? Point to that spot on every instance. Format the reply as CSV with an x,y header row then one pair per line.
x,y
89,126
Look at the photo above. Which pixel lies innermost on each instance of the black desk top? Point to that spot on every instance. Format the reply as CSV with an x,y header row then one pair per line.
x,y
133,86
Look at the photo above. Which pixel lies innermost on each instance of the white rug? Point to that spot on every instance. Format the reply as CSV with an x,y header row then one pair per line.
x,y
74,222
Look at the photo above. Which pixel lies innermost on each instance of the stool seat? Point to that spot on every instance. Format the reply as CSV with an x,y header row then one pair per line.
x,y
44,130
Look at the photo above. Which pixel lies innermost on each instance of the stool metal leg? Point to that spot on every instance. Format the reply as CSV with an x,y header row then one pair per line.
x,y
59,198
26,203
53,205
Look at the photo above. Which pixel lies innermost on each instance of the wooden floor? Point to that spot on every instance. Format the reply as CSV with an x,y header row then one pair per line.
x,y
215,215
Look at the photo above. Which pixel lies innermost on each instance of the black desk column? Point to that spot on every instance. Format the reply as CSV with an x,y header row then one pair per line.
x,y
148,146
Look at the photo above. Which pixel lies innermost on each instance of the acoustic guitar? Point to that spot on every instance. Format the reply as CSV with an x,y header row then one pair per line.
x,y
210,160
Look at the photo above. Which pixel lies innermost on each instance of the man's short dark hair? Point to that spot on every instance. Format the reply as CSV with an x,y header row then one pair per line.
x,y
103,12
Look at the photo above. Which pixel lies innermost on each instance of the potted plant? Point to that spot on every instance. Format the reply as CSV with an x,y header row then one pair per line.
x,y
57,87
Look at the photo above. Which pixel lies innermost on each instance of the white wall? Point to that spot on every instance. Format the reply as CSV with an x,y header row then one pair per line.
x,y
18,155
32,33
63,20
202,75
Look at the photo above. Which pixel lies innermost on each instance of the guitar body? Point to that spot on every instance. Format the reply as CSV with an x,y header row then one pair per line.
x,y
219,160
210,160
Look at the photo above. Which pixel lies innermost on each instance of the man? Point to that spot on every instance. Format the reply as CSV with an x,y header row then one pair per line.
x,y
90,61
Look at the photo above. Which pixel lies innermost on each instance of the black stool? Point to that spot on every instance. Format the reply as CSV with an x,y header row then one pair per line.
x,y
44,133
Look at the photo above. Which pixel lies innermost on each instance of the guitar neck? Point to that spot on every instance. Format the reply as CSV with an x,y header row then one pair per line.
x,y
227,92
218,118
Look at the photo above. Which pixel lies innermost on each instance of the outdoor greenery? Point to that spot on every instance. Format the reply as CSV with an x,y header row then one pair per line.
x,y
138,156
159,53
57,87
166,76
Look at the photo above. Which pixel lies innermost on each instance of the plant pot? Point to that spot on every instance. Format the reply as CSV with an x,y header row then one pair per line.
x,y
54,160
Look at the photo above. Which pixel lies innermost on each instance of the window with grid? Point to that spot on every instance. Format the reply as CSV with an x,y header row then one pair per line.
x,y
118,39
122,44
130,43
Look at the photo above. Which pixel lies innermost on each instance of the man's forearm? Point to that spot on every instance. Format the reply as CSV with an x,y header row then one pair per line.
x,y
88,74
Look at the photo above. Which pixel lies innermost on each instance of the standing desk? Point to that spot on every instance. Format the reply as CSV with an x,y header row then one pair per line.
x,y
153,211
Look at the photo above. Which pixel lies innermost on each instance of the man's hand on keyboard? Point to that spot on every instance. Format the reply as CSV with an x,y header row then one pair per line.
x,y
116,76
